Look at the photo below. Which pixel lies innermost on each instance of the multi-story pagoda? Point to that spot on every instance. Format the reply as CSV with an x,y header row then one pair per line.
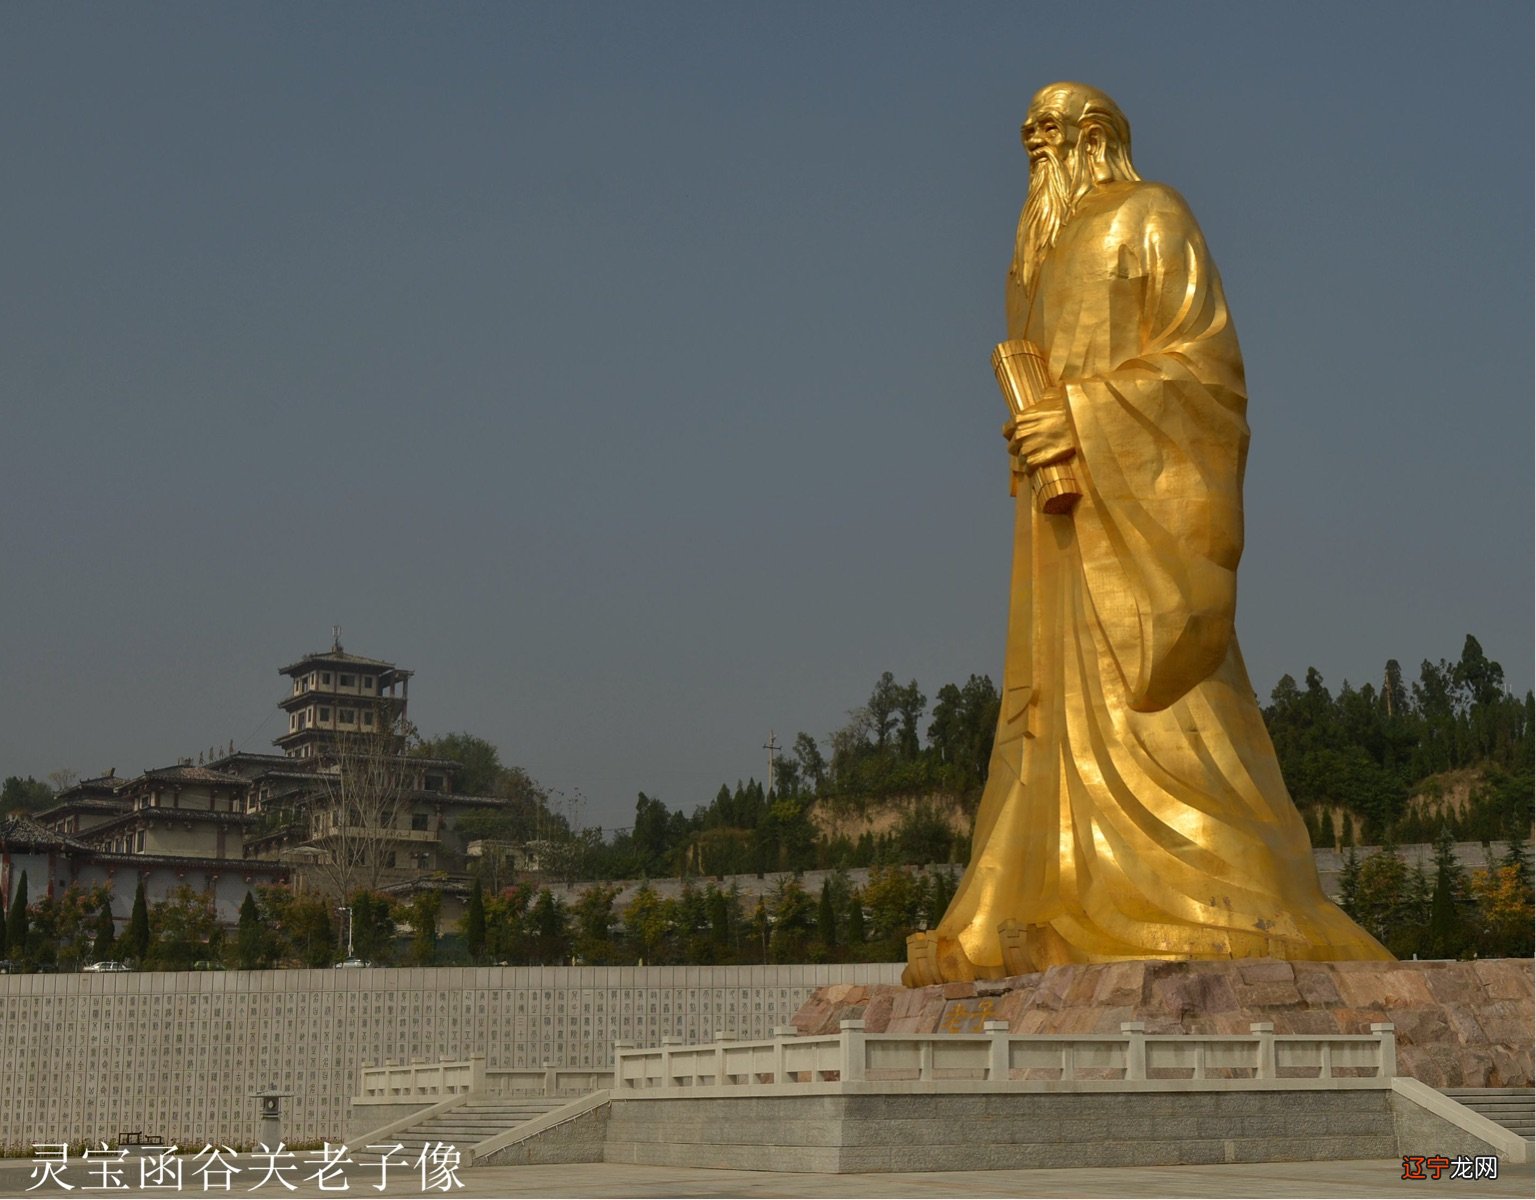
x,y
337,696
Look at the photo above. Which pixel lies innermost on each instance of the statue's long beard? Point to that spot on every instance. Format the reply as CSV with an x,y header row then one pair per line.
x,y
1053,191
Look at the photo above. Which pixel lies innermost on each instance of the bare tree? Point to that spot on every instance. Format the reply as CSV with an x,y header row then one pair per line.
x,y
354,820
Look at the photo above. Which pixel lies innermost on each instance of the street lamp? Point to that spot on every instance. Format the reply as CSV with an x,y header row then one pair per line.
x,y
348,912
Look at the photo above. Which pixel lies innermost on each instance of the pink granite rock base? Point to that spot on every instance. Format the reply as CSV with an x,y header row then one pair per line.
x,y
1459,1024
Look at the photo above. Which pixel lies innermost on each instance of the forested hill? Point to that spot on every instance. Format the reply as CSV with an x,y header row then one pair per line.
x,y
1394,762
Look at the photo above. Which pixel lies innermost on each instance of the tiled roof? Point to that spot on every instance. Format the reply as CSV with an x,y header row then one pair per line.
x,y
100,804
23,830
186,774
113,781
336,656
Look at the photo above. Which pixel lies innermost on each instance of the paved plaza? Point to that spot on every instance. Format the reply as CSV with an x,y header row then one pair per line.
x,y
1373,1177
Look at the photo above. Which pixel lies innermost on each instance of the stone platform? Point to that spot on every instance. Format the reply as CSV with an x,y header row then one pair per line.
x,y
1459,1024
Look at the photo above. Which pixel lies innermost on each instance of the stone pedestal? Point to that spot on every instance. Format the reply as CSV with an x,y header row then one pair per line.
x,y
1459,1024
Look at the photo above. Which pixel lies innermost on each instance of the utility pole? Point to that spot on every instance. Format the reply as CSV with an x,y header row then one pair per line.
x,y
770,745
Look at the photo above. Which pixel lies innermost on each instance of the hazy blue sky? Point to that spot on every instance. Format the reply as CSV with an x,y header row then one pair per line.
x,y
622,369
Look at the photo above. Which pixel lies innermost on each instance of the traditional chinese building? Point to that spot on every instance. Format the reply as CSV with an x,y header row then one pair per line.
x,y
336,696
243,818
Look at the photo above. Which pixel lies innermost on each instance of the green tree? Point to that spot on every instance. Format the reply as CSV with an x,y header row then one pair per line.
x,y
250,937
883,705
1448,930
855,935
373,926
593,918
474,922
186,930
924,835
506,932
724,916
549,940
960,735
25,795
894,898
690,927
647,921
301,927
479,761
756,950
813,767
424,910
826,921
136,940
794,919
910,704
16,921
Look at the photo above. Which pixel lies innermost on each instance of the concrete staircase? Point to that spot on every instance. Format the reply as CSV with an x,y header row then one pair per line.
x,y
1513,1108
472,1123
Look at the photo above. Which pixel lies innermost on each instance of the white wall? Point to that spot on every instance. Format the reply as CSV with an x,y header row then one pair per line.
x,y
177,1053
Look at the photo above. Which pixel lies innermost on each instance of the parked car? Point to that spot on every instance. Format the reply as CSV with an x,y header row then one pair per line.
x,y
106,964
8,967
352,962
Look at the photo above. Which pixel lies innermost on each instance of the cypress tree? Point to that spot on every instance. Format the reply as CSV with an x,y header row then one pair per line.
x,y
16,922
1445,933
248,935
826,918
474,922
1518,855
1349,883
136,945
855,935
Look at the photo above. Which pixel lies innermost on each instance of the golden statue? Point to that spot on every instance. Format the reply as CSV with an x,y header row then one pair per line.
x,y
1134,807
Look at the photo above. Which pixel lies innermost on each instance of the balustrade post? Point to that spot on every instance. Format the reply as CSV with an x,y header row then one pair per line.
x,y
721,1037
620,1046
850,1040
781,1035
476,1074
1386,1032
997,1049
666,1060
1264,1064
1135,1048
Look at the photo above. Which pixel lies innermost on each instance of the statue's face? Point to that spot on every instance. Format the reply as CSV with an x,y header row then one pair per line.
x,y
1046,131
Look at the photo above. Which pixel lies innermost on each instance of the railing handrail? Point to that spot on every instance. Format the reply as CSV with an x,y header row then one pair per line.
x,y
853,1055
844,1057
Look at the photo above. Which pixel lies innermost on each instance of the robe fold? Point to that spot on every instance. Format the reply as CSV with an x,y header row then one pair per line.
x,y
1134,807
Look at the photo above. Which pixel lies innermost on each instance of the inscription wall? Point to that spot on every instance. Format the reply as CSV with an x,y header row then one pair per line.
x,y
178,1053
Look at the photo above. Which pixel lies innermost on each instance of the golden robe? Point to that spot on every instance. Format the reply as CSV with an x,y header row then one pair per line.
x,y
1134,806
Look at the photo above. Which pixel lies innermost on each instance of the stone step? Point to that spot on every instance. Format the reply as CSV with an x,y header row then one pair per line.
x,y
472,1123
1513,1108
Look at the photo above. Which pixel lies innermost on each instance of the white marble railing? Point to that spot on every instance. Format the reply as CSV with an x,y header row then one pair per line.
x,y
420,1078
440,1080
1000,1058
994,1057
548,1080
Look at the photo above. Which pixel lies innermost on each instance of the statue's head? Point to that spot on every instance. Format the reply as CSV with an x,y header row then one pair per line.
x,y
1077,139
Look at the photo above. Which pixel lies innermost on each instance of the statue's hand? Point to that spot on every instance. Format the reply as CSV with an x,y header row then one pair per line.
x,y
1043,435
